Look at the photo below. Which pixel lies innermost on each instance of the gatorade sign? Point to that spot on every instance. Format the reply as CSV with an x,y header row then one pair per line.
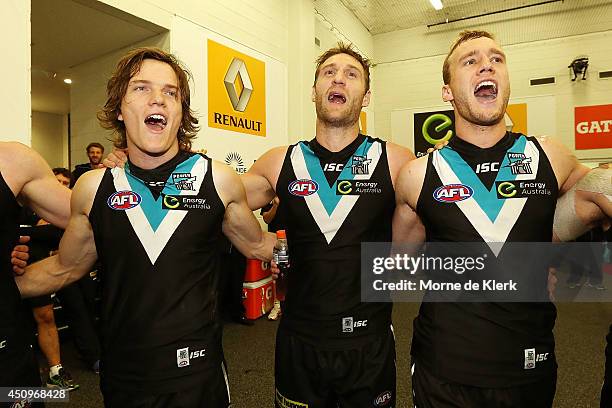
x,y
593,127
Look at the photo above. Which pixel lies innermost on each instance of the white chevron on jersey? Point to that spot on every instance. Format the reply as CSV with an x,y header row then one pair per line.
x,y
494,232
155,240
329,224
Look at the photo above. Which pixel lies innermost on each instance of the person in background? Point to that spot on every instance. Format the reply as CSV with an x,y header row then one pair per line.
x,y
95,151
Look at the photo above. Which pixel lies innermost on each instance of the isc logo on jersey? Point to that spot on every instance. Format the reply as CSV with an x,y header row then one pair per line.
x,y
184,357
303,187
349,324
453,193
123,200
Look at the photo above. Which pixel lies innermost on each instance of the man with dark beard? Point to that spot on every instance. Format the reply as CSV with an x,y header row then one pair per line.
x,y
95,151
331,348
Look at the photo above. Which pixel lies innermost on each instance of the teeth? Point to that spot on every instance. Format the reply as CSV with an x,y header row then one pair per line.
x,y
331,96
157,117
486,83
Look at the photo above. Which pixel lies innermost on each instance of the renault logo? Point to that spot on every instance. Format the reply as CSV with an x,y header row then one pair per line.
x,y
239,97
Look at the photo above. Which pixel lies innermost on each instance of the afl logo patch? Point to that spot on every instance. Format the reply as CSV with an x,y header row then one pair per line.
x,y
123,200
383,399
453,193
303,187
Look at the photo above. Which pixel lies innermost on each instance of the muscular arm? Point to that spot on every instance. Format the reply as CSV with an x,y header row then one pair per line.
x,y
239,223
260,181
33,183
397,156
585,200
77,250
407,226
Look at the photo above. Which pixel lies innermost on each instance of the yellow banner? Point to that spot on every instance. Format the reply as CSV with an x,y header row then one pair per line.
x,y
236,91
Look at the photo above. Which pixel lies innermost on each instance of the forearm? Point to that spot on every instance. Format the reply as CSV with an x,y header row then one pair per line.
x,y
584,205
46,276
257,244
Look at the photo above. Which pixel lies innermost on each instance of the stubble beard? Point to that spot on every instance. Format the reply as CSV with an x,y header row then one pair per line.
x,y
349,119
467,111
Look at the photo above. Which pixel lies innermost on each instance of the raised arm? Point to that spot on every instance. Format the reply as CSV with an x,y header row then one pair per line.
x,y
35,186
77,250
239,223
260,181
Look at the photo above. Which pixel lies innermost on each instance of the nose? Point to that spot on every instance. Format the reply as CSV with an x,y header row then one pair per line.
x,y
156,97
487,66
339,78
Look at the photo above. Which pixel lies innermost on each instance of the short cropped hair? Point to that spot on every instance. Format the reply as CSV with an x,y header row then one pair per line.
x,y
64,172
463,37
343,48
93,144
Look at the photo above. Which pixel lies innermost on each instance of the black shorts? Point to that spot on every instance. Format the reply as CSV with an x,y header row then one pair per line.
x,y
309,376
40,301
431,392
210,390
23,372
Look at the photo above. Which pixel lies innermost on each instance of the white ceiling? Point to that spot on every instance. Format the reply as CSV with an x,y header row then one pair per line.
x,y
381,16
66,33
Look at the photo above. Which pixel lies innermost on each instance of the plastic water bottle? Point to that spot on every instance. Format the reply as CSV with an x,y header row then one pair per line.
x,y
281,258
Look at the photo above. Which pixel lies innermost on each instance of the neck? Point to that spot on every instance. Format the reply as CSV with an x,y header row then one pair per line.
x,y
335,139
478,135
147,161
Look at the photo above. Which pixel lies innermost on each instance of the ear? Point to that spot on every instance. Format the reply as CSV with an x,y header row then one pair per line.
x,y
120,116
366,99
313,94
447,93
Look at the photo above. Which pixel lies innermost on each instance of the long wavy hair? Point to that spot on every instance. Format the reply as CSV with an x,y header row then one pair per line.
x,y
117,86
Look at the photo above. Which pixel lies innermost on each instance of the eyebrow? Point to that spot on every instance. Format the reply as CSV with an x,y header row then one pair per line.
x,y
334,65
146,82
492,50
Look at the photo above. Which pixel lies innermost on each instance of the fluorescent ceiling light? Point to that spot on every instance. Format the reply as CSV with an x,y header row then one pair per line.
x,y
68,81
437,4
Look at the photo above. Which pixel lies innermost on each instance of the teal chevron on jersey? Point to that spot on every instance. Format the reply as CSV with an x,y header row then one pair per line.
x,y
154,225
152,207
328,209
486,199
327,193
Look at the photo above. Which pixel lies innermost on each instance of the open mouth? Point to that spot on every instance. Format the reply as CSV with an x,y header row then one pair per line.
x,y
486,90
156,122
336,97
